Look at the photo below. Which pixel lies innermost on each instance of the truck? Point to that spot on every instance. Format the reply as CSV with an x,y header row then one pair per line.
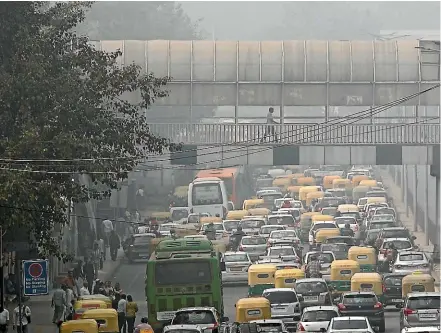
x,y
182,273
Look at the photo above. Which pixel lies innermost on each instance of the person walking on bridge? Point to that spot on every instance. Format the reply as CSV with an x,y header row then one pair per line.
x,y
270,130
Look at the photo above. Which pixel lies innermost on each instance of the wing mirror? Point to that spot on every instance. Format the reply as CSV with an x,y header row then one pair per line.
x,y
222,266
225,319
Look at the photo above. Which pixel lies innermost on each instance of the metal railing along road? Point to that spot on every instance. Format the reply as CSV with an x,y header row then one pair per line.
x,y
351,134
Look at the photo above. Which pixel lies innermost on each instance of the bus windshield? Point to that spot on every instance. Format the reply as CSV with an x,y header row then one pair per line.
x,y
185,272
207,194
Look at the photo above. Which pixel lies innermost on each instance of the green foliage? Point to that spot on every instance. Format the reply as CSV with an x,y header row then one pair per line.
x,y
146,20
62,99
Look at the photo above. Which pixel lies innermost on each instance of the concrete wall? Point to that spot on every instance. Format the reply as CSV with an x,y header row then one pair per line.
x,y
419,190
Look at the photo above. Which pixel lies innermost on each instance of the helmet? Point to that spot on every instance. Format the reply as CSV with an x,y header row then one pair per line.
x,y
313,258
239,228
347,225
144,320
392,246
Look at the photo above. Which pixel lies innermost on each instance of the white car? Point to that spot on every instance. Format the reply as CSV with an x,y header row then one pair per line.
x,y
266,230
281,218
221,233
286,253
411,261
316,318
421,329
401,244
350,324
164,229
236,267
288,235
326,258
183,329
320,225
341,222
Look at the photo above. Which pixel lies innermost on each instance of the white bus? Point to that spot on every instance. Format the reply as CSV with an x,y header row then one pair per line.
x,y
208,195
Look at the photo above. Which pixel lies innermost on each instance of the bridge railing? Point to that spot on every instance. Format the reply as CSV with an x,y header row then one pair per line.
x,y
359,134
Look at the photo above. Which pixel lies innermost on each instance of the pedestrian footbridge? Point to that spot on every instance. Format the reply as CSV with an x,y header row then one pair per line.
x,y
337,102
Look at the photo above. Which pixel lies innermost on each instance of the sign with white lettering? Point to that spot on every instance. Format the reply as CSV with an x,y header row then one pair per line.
x,y
35,277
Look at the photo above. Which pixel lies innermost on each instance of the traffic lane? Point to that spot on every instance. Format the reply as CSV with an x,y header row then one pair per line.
x,y
232,294
131,277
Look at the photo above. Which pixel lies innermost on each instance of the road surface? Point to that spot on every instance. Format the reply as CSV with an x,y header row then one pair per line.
x,y
132,276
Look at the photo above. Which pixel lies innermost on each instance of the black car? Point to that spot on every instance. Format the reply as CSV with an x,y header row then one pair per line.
x,y
139,247
392,288
349,241
365,304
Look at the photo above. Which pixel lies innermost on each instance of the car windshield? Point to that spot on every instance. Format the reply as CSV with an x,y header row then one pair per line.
x,y
194,318
404,233
372,234
167,227
182,330
283,234
353,324
411,257
253,241
393,281
143,239
424,302
270,197
311,287
267,229
178,214
216,226
329,201
335,247
252,224
236,257
385,211
280,297
381,225
324,258
270,327
344,220
326,225
319,315
329,211
359,299
296,204
231,225
281,220
284,251
387,217
338,193
399,244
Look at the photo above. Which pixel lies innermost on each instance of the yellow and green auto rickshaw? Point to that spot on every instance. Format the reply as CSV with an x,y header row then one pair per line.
x,y
323,234
341,274
322,218
359,192
81,306
79,325
328,181
294,191
282,182
342,183
313,195
369,183
107,319
252,203
417,282
286,278
236,214
260,277
365,256
357,179
100,297
305,225
305,181
303,192
368,282
161,217
255,308
259,212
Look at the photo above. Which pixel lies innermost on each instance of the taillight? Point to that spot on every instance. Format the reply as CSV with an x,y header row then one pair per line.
x,y
224,212
191,210
398,266
341,306
425,265
297,259
378,305
356,227
241,248
408,311
384,251
384,288
300,328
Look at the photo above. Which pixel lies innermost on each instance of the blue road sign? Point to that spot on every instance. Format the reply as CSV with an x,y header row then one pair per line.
x,y
35,277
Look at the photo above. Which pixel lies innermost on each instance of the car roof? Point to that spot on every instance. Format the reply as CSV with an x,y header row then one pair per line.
x,y
423,294
389,239
252,236
230,253
270,290
321,307
149,234
311,280
270,321
394,228
253,218
386,275
197,308
280,215
410,252
346,318
272,225
183,326
358,293
382,215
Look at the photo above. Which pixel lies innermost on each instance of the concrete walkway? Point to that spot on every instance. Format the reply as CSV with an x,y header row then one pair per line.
x,y
41,305
408,221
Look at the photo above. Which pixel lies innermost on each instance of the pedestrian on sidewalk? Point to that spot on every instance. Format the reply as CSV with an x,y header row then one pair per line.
x,y
140,199
115,244
85,289
89,273
58,303
4,319
25,319
122,313
69,281
115,302
97,258
108,227
78,274
132,309
70,300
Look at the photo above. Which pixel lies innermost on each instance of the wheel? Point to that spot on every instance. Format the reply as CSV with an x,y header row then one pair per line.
x,y
382,327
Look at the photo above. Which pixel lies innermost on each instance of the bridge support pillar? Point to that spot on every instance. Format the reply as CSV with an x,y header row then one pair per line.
x,y
435,172
405,189
426,208
415,199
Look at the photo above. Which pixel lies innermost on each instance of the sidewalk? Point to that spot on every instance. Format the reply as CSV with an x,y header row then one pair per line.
x,y
408,221
40,305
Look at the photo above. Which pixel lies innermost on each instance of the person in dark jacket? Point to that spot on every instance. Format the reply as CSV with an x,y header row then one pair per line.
x,y
115,244
89,273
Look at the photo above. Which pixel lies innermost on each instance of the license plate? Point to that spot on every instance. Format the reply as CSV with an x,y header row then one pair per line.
x,y
366,289
427,316
397,300
144,254
279,308
310,298
235,269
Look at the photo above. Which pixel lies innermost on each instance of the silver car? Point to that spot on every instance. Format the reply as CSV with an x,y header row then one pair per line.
x,y
285,305
350,324
236,268
280,218
316,318
286,253
255,246
314,291
266,230
285,235
183,329
252,225
401,244
420,309
411,261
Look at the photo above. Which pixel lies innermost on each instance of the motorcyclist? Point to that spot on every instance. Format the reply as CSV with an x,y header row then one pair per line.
x,y
347,231
237,237
210,232
313,268
143,326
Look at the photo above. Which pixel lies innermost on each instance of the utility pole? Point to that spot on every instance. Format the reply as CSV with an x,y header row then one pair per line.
x,y
2,273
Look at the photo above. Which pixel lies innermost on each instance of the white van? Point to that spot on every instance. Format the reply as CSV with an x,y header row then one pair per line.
x,y
208,195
